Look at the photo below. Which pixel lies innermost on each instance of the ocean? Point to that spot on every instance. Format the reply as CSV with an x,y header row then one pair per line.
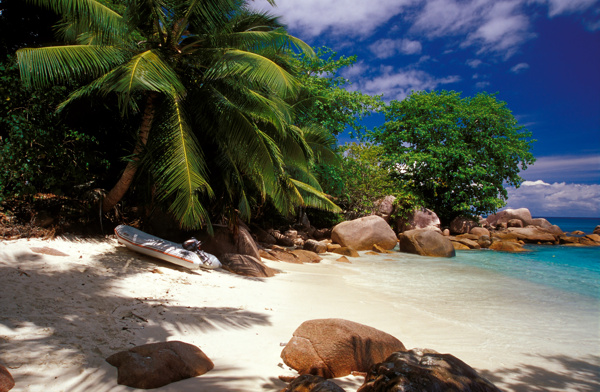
x,y
544,303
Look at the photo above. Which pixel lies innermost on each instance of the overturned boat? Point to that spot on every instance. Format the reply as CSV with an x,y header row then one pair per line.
x,y
172,252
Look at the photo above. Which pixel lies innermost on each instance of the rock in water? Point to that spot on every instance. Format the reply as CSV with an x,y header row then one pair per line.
x,y
597,230
426,243
424,370
363,233
334,347
158,364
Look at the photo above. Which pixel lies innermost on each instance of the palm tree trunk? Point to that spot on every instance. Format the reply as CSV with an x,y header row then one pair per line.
x,y
118,191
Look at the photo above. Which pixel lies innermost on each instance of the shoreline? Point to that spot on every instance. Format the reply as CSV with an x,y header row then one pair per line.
x,y
63,315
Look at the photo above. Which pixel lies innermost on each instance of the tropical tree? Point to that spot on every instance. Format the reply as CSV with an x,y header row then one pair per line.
x,y
454,153
213,82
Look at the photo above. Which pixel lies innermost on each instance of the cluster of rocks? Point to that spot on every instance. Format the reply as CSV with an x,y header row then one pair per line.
x,y
420,233
329,348
319,350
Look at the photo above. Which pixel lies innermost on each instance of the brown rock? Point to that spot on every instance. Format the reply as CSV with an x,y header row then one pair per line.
x,y
306,256
459,246
343,259
346,251
379,249
578,232
426,243
311,383
281,239
321,234
384,207
246,265
283,254
506,236
593,237
331,247
315,246
462,225
7,381
421,218
265,254
469,243
158,364
335,348
480,231
363,233
596,230
484,241
371,253
507,246
566,239
424,370
541,222
521,214
532,234
514,223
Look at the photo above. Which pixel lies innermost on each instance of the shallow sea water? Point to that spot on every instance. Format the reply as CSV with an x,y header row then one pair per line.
x,y
543,304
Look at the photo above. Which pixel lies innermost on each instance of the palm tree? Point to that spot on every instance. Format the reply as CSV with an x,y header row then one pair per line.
x,y
213,81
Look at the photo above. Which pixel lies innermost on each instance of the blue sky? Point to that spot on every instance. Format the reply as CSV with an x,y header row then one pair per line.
x,y
541,56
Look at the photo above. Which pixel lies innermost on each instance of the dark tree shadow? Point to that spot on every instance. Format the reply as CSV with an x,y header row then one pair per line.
x,y
578,374
47,314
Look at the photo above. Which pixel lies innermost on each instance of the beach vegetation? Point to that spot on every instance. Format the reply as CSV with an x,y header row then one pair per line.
x,y
214,86
455,154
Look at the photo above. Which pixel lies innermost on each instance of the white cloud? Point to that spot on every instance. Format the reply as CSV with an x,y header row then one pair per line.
x,y
570,168
355,18
398,84
519,68
474,63
559,7
490,27
481,85
556,199
386,48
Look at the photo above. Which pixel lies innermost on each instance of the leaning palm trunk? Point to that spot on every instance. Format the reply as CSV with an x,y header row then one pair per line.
x,y
118,191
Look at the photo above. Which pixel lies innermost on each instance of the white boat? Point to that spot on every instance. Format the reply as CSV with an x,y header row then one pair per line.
x,y
172,252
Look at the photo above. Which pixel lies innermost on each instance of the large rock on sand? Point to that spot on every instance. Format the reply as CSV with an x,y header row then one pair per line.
x,y
424,370
246,265
334,348
426,243
363,233
157,364
6,380
421,218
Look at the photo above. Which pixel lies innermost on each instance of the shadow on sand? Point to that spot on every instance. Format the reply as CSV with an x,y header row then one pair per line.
x,y
70,315
577,374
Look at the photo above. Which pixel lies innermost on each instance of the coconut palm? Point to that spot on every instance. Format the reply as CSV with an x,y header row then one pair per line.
x,y
213,81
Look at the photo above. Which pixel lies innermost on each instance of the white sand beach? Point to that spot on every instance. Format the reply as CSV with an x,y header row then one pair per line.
x,y
61,316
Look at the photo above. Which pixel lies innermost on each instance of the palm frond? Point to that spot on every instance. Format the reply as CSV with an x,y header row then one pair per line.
x,y
92,15
256,69
315,198
181,173
59,64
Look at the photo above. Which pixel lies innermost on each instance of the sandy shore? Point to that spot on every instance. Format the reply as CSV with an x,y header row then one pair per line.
x,y
62,315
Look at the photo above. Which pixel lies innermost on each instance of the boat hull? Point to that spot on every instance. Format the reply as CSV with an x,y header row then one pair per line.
x,y
159,248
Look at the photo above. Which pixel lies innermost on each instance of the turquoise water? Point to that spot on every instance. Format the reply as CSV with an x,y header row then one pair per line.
x,y
572,269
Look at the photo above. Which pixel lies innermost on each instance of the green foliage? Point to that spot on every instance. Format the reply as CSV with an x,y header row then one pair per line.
x,y
360,180
454,153
325,100
38,152
216,84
